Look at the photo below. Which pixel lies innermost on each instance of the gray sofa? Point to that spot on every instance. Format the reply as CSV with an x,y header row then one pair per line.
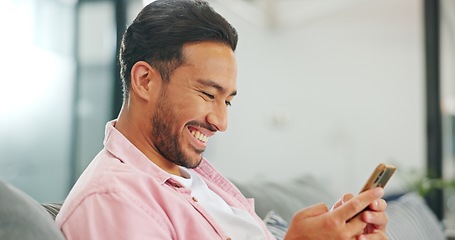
x,y
21,217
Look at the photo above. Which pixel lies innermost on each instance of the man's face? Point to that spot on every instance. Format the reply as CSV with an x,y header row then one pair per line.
x,y
193,105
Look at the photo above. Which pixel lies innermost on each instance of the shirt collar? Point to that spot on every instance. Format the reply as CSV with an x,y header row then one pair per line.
x,y
121,148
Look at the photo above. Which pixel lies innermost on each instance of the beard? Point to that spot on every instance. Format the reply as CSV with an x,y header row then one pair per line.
x,y
168,141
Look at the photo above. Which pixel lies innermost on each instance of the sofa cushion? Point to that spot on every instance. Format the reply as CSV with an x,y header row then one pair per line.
x,y
52,208
276,225
287,197
21,217
411,218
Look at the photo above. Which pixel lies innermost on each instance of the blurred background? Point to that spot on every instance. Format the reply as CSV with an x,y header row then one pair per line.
x,y
326,88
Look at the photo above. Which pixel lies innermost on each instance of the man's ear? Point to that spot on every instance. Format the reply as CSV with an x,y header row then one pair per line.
x,y
143,79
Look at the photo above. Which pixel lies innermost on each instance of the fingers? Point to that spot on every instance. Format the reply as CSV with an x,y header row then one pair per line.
x,y
337,204
316,222
344,222
375,215
312,211
357,204
356,226
344,199
378,205
377,219
348,197
377,235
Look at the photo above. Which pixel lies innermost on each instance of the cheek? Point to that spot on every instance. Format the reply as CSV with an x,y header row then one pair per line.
x,y
188,116
192,109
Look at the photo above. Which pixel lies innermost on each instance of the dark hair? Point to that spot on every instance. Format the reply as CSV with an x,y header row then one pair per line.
x,y
160,30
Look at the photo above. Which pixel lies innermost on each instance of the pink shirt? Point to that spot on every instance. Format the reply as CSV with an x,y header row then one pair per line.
x,y
124,195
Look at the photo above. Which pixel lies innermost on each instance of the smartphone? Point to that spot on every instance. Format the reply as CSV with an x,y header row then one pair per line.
x,y
380,176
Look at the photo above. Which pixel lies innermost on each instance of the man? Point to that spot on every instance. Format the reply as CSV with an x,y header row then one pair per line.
x,y
150,181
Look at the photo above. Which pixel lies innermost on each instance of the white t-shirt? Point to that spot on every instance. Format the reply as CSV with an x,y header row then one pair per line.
x,y
237,223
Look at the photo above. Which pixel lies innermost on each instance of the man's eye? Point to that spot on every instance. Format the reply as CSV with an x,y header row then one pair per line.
x,y
209,95
228,103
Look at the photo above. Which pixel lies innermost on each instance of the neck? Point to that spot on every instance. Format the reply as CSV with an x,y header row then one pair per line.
x,y
138,132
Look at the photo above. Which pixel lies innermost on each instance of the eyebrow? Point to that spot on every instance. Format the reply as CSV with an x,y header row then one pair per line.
x,y
215,85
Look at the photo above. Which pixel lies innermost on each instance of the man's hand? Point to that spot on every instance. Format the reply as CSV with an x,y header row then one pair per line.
x,y
344,221
375,218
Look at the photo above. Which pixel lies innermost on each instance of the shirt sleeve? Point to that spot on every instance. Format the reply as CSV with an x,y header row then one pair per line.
x,y
114,215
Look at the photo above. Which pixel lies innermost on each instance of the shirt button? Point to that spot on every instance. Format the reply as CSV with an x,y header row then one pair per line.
x,y
194,199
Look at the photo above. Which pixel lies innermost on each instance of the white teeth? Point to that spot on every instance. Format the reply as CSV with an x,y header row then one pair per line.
x,y
200,136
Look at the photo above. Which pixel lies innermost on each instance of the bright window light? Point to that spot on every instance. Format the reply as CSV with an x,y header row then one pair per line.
x,y
27,67
146,2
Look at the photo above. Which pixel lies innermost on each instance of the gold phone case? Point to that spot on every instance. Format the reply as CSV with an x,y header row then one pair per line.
x,y
379,177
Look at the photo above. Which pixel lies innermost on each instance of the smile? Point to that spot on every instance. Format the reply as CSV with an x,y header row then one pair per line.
x,y
199,136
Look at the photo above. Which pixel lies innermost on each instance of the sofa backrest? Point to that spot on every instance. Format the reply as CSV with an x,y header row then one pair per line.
x,y
22,217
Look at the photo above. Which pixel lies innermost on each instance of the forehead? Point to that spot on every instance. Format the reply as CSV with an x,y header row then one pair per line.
x,y
210,61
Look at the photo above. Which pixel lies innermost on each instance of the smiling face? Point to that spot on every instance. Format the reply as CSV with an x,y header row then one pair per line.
x,y
193,105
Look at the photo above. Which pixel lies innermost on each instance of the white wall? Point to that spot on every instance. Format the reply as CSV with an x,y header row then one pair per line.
x,y
331,96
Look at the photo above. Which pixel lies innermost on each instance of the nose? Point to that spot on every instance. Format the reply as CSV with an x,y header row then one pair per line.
x,y
218,118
